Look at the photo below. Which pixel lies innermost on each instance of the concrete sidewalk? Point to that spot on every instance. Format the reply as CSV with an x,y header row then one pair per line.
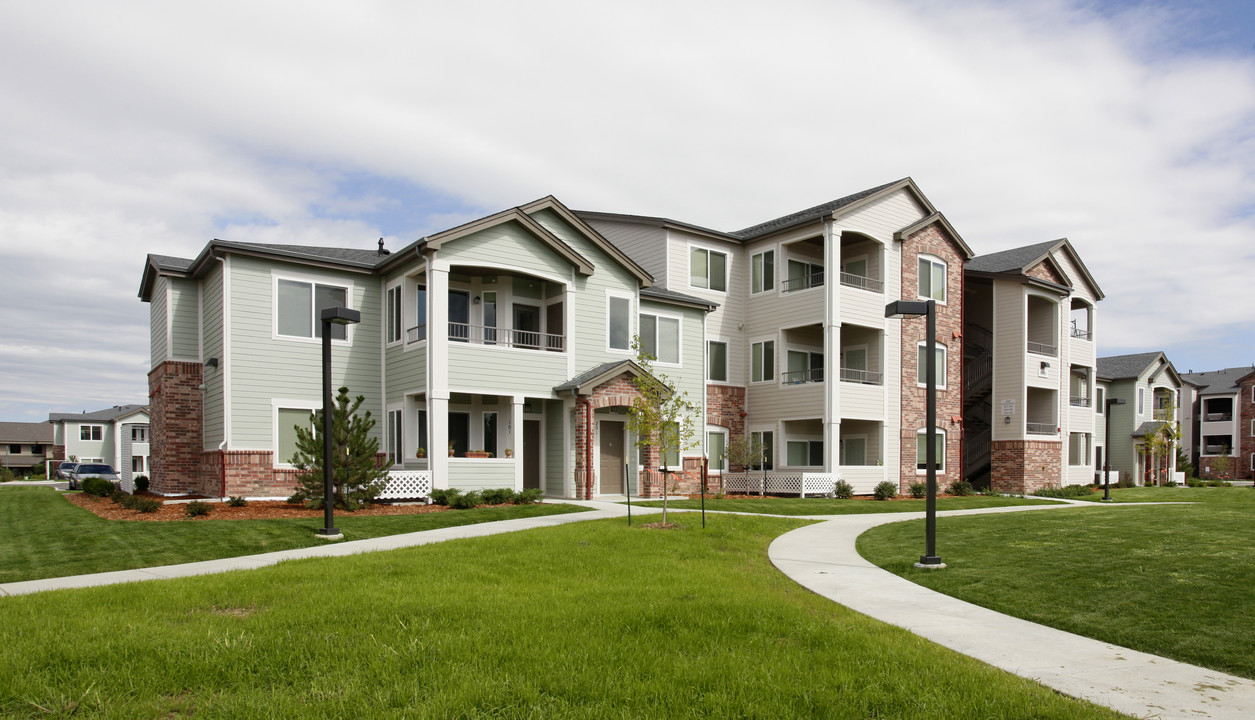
x,y
332,549
822,558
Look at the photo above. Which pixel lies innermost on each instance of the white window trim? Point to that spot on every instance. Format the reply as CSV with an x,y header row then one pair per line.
x,y
412,284
765,290
1252,427
945,273
761,431
396,287
277,404
808,439
91,425
866,257
275,277
727,266
727,361
1141,401
945,365
1253,461
397,444
775,378
632,327
679,335
941,461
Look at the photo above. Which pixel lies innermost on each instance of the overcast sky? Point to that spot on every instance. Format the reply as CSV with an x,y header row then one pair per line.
x,y
130,127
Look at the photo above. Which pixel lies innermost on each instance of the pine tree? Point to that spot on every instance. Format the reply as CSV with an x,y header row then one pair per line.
x,y
357,476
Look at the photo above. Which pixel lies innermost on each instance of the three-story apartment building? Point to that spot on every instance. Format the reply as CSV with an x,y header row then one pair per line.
x,y
1218,421
1151,390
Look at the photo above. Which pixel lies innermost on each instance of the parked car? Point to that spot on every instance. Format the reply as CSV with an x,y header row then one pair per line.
x,y
65,470
87,470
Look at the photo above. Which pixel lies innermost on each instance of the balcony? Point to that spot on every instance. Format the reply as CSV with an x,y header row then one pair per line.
x,y
799,377
1075,401
499,337
1218,417
861,377
1216,449
1038,348
1082,334
803,282
862,283
1040,428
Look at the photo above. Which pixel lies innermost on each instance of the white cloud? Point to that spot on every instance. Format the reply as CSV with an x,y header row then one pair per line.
x,y
153,127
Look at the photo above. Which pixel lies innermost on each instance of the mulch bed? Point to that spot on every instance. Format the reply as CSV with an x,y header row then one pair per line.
x,y
254,510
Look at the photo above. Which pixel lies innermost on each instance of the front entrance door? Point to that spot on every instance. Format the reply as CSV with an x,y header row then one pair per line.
x,y
531,454
611,468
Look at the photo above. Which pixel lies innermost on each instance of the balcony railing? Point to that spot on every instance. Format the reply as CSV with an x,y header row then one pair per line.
x,y
1216,449
1043,349
1040,428
862,283
1078,401
804,282
798,377
503,337
861,377
1082,334
1218,417
1162,414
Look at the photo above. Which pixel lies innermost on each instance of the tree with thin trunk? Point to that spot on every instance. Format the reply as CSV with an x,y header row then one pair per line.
x,y
357,475
660,416
749,451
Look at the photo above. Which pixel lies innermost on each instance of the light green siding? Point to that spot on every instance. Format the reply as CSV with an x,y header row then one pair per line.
x,y
507,244
184,319
211,316
504,371
555,464
406,371
265,367
690,375
481,474
157,321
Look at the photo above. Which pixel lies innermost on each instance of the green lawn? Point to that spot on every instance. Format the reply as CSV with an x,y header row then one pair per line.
x,y
826,506
42,535
589,620
1173,494
1173,580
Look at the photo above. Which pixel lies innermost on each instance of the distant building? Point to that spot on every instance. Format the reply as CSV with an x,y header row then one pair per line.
x,y
1151,390
116,435
1219,421
25,446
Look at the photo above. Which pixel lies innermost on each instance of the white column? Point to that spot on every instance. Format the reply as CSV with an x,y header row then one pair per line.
x,y
438,370
516,440
832,348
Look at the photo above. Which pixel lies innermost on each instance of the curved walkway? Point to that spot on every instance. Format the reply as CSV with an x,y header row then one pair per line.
x,y
822,558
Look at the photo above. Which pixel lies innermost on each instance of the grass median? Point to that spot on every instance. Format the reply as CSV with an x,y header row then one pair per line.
x,y
1172,580
42,535
590,620
830,506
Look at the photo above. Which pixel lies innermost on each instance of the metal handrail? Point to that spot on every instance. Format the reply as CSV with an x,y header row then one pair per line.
x,y
415,334
506,337
1043,349
804,282
862,283
798,377
1040,428
1082,334
1078,401
862,377
1218,417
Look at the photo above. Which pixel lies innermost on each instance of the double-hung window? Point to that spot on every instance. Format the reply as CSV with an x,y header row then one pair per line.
x,y
395,437
763,272
708,269
717,361
660,337
90,432
618,323
932,279
921,373
921,451
763,361
299,305
393,315
717,449
765,440
139,434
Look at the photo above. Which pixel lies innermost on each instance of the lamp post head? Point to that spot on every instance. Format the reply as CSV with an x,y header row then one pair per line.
x,y
341,316
904,308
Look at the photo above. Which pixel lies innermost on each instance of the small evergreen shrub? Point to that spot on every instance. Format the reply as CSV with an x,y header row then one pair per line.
x,y
497,496
885,490
918,489
119,496
237,501
961,488
529,496
144,504
1194,482
1126,482
444,496
842,490
196,508
99,487
1067,491
467,501
141,483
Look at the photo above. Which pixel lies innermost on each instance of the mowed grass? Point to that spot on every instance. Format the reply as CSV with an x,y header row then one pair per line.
x,y
42,535
1172,580
828,506
589,620
1173,494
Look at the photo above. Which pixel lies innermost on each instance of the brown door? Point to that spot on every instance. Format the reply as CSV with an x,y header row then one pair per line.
x,y
531,454
611,468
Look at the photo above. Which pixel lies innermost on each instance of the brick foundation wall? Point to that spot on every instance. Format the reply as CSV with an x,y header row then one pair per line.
x,y
175,408
725,407
932,241
1022,466
58,453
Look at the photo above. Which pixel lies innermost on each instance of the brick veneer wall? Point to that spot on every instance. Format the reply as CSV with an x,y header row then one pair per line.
x,y
617,392
1244,444
175,412
1022,466
58,453
932,241
725,407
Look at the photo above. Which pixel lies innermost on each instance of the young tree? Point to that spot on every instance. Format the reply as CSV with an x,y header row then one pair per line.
x,y
749,451
1159,442
357,477
661,416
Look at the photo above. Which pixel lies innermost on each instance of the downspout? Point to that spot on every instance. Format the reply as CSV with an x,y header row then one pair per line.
x,y
222,462
588,448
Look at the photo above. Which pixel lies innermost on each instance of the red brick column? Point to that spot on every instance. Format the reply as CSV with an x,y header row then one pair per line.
x,y
1022,466
1246,443
175,407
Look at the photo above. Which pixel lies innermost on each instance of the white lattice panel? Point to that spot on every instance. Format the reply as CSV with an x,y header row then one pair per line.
x,y
407,485
780,483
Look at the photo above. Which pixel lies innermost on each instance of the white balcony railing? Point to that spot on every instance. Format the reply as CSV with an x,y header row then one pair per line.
x,y
1076,401
798,377
862,283
503,337
861,377
1043,349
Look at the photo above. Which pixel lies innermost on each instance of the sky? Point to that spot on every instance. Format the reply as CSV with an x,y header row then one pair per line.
x,y
154,127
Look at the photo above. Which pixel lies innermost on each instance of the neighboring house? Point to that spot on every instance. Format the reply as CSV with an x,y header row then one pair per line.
x,y
25,447
1219,421
1151,389
118,435
1030,336
511,336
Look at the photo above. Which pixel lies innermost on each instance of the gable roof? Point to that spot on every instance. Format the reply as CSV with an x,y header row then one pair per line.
x,y
1019,261
1125,367
26,432
846,203
658,222
588,380
550,202
1219,381
671,296
106,415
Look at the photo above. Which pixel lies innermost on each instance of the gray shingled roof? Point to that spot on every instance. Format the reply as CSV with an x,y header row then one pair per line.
x,y
1218,381
808,214
342,256
658,293
1120,367
105,415
169,262
22,432
1013,260
1147,428
575,382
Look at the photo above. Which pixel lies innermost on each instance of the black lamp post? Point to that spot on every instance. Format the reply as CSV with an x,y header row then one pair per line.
x,y
330,316
1106,456
927,308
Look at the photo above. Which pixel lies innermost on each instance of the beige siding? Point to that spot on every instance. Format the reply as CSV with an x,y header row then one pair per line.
x,y
1008,359
862,402
645,244
211,317
771,401
157,321
725,322
882,219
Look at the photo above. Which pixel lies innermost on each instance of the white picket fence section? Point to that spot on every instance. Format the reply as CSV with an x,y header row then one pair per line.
x,y
800,484
407,485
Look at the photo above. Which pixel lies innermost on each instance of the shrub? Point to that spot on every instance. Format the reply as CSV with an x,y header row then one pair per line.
x,y
1064,492
141,483
144,504
497,496
6,475
918,489
196,508
885,490
1194,482
842,490
237,501
1126,482
528,496
443,497
99,487
119,496
467,501
962,488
